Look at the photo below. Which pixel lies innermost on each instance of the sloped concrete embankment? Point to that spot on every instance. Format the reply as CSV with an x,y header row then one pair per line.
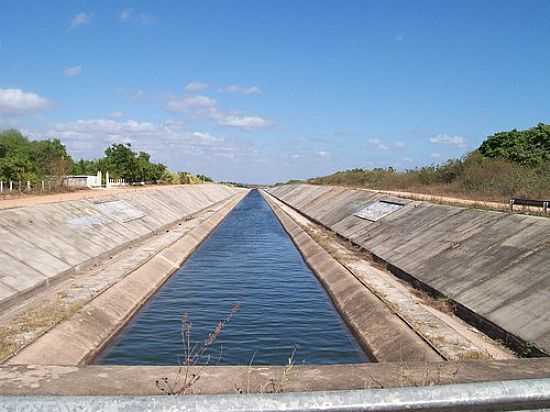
x,y
42,243
76,340
494,265
383,335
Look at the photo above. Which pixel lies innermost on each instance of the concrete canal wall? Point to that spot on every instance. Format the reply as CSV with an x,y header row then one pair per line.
x,y
40,244
494,265
382,334
77,340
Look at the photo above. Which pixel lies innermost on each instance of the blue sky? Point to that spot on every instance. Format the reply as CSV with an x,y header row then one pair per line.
x,y
264,91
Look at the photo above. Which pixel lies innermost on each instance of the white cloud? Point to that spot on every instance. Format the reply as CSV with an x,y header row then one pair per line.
x,y
80,19
322,153
72,71
195,86
436,155
296,156
243,122
16,101
408,159
206,137
378,143
247,90
448,140
191,103
130,15
168,139
105,127
399,144
207,106
116,115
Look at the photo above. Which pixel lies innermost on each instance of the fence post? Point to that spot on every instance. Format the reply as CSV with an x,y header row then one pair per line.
x,y
545,206
11,186
20,185
28,186
1,186
511,205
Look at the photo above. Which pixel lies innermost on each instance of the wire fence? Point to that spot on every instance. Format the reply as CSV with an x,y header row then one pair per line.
x,y
16,187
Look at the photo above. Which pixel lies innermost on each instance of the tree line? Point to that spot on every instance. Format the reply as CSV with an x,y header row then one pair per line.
x,y
23,159
507,164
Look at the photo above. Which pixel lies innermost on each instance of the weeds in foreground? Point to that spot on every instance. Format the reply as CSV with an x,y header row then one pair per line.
x,y
274,385
277,385
196,356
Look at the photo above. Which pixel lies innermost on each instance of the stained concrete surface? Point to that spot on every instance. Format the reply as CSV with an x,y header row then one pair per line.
x,y
140,380
41,243
494,264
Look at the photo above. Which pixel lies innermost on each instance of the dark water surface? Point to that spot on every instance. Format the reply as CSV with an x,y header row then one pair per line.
x,y
248,260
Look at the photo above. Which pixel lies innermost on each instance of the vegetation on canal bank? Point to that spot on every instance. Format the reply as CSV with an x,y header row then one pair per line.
x,y
23,159
507,164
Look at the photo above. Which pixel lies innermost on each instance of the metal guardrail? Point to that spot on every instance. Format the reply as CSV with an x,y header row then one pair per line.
x,y
544,204
518,395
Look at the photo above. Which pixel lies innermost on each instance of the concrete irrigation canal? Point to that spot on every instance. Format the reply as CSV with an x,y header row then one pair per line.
x,y
249,260
359,289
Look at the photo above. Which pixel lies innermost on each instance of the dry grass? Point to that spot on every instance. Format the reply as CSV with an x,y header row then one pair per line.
x,y
441,303
27,326
473,178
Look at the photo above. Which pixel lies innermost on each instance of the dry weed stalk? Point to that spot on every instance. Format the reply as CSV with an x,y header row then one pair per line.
x,y
194,353
278,384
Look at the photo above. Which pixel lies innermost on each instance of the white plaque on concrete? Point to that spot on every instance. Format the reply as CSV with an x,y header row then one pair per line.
x,y
378,210
120,211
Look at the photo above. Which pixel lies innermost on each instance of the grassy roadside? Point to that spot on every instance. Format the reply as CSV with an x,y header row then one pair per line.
x,y
472,178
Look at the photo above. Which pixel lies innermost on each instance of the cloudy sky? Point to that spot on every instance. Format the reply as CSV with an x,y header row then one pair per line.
x,y
264,91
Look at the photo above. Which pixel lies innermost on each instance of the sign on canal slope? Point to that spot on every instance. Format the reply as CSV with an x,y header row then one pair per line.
x,y
378,210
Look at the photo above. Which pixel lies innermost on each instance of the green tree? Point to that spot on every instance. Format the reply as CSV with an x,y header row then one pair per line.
x,y
122,163
23,159
529,147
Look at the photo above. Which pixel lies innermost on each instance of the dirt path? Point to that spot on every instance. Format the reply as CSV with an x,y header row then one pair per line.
x,y
29,200
456,201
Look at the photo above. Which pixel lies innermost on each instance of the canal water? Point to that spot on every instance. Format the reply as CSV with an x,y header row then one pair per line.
x,y
249,260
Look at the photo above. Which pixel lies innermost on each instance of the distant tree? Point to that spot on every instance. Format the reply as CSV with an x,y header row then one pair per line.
x,y
122,163
529,147
50,157
23,159
204,178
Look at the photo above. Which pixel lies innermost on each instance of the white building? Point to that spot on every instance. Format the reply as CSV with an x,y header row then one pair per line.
x,y
82,181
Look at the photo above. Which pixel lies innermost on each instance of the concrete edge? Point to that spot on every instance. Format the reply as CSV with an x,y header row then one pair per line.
x,y
78,339
37,380
383,335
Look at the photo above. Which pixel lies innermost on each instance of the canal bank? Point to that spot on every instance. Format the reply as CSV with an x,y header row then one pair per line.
x,y
386,337
77,339
429,320
492,267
